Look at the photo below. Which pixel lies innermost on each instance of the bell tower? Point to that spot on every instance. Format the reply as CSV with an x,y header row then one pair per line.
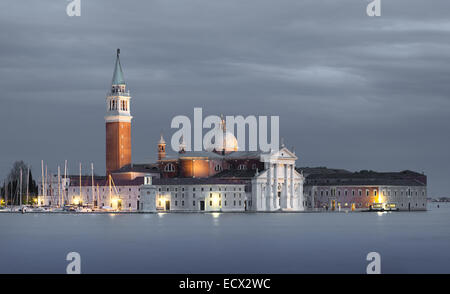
x,y
161,148
118,122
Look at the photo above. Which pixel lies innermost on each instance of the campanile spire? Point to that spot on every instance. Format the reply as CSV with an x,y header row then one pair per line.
x,y
118,121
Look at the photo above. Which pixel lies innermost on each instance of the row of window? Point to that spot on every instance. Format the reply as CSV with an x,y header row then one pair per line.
x,y
107,196
211,195
167,189
210,203
171,167
332,192
103,189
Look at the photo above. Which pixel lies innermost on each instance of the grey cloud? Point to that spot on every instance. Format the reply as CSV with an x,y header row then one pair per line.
x,y
352,92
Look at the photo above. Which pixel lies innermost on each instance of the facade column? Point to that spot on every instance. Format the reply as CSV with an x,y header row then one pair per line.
x,y
268,187
260,203
285,201
292,187
275,187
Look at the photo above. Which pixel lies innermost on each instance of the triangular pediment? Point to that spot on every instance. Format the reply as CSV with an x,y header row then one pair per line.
x,y
285,153
280,155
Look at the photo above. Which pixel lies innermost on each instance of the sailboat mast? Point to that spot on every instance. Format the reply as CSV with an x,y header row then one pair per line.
x,y
46,182
81,198
98,196
65,181
6,194
42,177
28,183
59,186
92,182
109,178
20,189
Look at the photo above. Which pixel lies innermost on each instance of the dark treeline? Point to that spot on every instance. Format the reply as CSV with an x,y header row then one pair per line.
x,y
11,185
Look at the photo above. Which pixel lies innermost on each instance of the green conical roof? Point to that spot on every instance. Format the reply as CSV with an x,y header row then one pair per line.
x,y
118,74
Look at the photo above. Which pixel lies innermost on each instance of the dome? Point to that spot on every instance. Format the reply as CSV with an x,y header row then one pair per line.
x,y
229,144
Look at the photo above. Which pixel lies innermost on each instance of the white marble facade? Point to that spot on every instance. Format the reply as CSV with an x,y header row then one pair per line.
x,y
279,187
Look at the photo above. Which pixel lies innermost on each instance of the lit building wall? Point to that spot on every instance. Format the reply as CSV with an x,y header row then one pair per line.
x,y
362,197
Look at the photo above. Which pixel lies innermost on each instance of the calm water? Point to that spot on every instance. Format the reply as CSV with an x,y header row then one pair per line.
x,y
416,242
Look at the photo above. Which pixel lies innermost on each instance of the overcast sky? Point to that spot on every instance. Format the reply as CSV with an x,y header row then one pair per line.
x,y
351,91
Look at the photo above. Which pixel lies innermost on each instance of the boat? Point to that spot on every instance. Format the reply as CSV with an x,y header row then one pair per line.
x,y
83,209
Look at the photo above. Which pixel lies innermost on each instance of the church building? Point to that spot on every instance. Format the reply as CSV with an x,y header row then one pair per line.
x,y
221,178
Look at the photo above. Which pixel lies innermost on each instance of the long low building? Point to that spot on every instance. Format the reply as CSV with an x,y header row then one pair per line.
x,y
330,189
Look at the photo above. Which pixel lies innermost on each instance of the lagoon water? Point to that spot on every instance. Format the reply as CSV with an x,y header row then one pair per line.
x,y
409,242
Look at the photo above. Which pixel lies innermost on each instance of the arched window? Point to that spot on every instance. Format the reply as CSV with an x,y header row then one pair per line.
x,y
242,167
218,167
169,168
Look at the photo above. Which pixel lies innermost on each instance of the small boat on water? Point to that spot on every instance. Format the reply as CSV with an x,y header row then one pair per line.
x,y
41,209
83,209
383,207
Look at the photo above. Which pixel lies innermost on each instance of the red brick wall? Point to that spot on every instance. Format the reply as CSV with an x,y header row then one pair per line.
x,y
118,145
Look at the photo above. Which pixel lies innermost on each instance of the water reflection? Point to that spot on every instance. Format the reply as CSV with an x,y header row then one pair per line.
x,y
215,216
